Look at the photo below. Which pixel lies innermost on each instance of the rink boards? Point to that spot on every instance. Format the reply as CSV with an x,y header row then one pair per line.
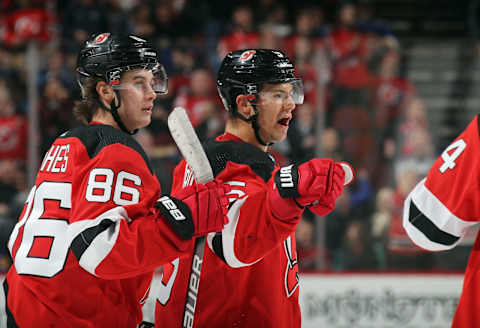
x,y
379,300
373,300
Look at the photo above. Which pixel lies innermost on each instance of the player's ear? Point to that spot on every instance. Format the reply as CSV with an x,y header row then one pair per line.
x,y
243,106
105,92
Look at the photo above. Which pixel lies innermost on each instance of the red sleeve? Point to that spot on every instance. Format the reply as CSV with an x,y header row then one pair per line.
x,y
440,209
252,230
122,236
454,177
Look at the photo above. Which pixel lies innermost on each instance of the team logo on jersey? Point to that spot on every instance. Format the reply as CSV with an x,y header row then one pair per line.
x,y
165,285
291,272
188,177
101,38
238,190
247,55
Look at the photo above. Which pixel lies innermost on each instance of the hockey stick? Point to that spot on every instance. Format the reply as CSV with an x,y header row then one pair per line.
x,y
187,141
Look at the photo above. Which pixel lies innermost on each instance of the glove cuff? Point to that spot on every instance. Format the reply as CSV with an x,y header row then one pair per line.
x,y
286,180
178,216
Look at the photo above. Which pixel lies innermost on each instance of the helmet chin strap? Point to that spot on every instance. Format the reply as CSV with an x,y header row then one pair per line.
x,y
114,111
256,127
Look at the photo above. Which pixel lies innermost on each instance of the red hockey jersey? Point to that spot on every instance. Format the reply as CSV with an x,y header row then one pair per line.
x,y
86,244
441,208
249,274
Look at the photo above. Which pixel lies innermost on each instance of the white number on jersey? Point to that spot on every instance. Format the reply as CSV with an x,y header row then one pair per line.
x,y
48,236
449,159
100,184
35,228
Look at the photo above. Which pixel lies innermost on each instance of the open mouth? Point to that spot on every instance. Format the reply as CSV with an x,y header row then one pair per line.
x,y
284,121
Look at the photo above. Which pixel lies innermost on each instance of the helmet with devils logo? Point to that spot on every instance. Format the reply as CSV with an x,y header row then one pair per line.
x,y
243,72
107,56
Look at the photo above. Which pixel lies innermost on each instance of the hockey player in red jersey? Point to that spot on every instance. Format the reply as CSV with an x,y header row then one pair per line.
x,y
249,275
95,225
439,210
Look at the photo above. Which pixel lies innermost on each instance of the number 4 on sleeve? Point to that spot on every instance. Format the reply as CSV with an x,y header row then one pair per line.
x,y
449,157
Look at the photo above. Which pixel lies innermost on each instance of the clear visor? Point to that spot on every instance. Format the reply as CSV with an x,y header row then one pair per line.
x,y
139,76
145,79
281,93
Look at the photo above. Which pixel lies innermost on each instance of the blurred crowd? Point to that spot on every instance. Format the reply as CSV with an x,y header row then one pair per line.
x,y
358,107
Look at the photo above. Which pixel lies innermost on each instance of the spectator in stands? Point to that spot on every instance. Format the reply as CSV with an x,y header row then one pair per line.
x,y
335,226
413,118
402,253
381,220
302,134
330,144
54,112
142,20
202,104
164,20
361,193
277,19
391,94
13,127
308,24
82,18
357,252
391,97
183,63
58,69
262,9
307,250
348,51
13,187
268,37
417,152
9,68
415,148
12,196
242,32
118,18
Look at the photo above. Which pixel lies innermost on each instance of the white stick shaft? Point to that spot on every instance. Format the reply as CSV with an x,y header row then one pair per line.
x,y
187,141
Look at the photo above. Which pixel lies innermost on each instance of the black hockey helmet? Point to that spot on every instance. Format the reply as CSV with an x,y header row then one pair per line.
x,y
242,72
107,56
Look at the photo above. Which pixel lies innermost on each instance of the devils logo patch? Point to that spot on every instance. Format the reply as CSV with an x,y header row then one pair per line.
x,y
291,271
247,55
101,38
